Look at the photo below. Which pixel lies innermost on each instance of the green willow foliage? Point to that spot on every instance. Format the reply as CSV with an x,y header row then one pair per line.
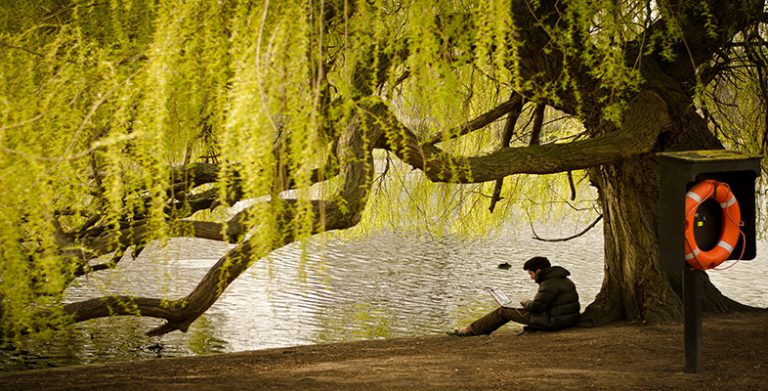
x,y
99,100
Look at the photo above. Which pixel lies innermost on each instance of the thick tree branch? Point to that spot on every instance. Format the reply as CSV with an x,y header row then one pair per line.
x,y
96,240
122,305
84,268
342,211
637,135
190,176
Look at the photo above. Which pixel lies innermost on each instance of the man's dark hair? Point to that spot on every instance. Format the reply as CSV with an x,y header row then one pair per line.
x,y
536,263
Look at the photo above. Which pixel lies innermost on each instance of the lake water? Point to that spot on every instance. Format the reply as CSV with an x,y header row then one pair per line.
x,y
381,286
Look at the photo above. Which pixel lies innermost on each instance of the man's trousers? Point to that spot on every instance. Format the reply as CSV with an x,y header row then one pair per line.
x,y
499,317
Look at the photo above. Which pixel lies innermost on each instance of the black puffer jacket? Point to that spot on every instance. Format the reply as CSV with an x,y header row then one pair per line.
x,y
556,305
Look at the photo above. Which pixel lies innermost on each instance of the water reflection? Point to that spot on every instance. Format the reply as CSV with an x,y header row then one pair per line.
x,y
382,286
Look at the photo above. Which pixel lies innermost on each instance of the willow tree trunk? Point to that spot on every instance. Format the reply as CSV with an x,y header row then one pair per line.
x,y
634,288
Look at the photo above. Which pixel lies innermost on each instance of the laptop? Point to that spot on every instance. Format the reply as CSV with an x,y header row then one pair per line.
x,y
503,299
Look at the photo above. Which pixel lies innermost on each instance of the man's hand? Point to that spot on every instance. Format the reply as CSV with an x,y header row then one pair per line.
x,y
525,303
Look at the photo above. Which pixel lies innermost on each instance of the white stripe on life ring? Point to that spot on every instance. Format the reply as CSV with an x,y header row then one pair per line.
x,y
726,246
694,196
728,203
693,254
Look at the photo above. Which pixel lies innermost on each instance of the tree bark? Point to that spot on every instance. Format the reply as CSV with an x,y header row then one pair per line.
x,y
633,286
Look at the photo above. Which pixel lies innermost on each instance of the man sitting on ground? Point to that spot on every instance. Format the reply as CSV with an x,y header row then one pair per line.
x,y
555,307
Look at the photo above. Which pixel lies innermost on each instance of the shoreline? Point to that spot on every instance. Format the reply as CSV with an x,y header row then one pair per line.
x,y
618,356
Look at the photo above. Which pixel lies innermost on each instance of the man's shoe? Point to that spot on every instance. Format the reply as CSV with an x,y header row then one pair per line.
x,y
457,333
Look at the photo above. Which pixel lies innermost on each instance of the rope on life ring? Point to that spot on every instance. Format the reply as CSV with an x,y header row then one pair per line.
x,y
729,232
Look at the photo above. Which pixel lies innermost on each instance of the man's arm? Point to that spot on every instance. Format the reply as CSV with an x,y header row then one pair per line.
x,y
543,299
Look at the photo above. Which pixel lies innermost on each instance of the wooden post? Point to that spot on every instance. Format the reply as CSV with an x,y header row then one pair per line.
x,y
692,306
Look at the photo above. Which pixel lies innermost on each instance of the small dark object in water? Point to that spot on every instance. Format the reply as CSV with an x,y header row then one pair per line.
x,y
505,265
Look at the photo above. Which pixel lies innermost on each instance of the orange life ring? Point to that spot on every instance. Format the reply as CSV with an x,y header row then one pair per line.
x,y
729,233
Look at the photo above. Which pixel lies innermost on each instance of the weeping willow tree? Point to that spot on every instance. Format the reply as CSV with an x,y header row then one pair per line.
x,y
129,122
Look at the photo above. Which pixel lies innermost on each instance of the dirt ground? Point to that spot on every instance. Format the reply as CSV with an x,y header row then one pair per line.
x,y
616,357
